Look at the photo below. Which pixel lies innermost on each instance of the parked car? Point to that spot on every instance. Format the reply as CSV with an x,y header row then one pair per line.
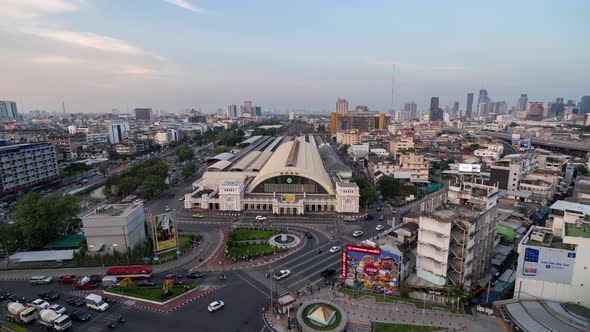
x,y
261,218
175,275
58,308
146,283
357,233
40,280
39,304
195,275
76,301
198,215
16,298
381,217
335,249
379,228
49,296
80,315
4,294
282,274
215,305
68,279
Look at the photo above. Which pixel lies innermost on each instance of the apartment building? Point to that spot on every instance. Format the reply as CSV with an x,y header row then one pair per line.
x,y
401,145
25,165
544,185
96,138
417,164
508,171
67,145
351,137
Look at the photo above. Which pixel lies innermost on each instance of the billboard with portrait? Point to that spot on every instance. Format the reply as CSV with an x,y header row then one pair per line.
x,y
370,269
546,264
165,231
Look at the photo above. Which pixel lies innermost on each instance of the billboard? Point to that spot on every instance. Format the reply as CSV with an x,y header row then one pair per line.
x,y
471,168
370,269
288,198
546,264
524,144
165,231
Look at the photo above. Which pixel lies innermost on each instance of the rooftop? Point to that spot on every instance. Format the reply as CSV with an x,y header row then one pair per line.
x,y
113,210
565,205
572,230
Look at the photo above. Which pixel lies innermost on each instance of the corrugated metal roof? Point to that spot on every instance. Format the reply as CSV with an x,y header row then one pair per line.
x,y
43,256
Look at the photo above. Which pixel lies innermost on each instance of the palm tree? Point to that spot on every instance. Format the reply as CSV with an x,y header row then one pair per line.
x,y
458,292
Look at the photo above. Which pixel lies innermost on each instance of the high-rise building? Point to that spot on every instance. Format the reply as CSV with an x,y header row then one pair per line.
x,y
436,115
231,111
469,106
248,107
536,111
433,103
585,105
455,107
363,121
501,108
522,103
411,109
556,109
8,111
24,165
143,114
257,111
341,106
118,131
483,96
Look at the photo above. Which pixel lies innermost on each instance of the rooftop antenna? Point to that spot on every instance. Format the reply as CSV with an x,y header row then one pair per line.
x,y
63,107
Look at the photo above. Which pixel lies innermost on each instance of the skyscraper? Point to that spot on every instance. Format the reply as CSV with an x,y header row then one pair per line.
x,y
257,111
536,111
8,111
556,109
521,103
248,106
341,106
118,131
433,103
455,110
483,96
143,114
585,105
469,106
412,109
436,114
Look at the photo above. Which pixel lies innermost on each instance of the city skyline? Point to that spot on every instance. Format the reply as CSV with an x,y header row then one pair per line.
x,y
179,54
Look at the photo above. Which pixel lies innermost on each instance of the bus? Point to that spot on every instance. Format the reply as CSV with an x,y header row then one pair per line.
x,y
133,272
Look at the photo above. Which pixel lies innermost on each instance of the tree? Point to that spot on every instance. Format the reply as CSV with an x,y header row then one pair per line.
x,y
166,286
41,220
367,193
474,147
126,283
582,170
344,148
9,237
389,187
188,170
151,185
75,169
513,124
174,144
220,149
103,169
184,152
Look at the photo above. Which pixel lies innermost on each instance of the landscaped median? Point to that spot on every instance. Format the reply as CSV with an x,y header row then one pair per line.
x,y
391,299
244,242
392,327
151,293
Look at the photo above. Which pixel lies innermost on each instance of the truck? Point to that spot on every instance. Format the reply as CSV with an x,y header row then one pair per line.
x,y
96,302
20,313
50,319
108,281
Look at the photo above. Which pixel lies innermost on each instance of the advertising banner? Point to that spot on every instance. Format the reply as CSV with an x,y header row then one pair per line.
x,y
370,269
165,231
288,198
470,168
546,264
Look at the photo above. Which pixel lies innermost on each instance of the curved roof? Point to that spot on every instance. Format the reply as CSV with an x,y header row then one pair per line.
x,y
221,156
220,165
298,158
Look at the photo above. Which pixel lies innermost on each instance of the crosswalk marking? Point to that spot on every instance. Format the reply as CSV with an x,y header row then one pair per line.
x,y
262,279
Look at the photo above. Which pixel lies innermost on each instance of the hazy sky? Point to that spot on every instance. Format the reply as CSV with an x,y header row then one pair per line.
x,y
96,55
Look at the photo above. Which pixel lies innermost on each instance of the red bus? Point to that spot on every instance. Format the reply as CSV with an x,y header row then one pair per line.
x,y
133,272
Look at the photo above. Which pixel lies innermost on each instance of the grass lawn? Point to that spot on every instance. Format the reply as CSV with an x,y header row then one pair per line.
x,y
243,234
390,299
14,327
316,326
183,243
153,293
251,250
390,327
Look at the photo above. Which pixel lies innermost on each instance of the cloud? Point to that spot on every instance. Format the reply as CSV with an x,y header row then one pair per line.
x,y
90,40
389,63
34,8
186,5
57,60
137,71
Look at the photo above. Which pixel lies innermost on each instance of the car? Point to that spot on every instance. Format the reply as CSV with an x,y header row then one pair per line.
x,y
177,281
167,209
357,233
76,301
379,228
58,308
68,279
198,215
308,235
328,273
171,195
16,298
80,315
261,218
282,274
49,296
40,280
181,198
146,283
215,305
195,275
381,217
4,294
175,275
380,208
335,249
39,304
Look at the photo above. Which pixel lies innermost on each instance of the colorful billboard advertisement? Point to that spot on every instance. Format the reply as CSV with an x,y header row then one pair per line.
x,y
470,168
546,264
370,269
165,231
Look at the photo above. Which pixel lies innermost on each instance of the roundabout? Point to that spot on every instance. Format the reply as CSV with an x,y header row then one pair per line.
x,y
284,241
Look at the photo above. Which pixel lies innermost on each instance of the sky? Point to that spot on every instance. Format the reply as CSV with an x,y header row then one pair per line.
x,y
97,55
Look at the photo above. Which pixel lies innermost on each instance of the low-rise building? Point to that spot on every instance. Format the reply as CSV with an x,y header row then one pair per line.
x,y
96,138
351,137
403,144
417,164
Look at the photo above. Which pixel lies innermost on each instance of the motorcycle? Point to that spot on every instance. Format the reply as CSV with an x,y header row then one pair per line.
x,y
112,325
223,277
319,251
121,319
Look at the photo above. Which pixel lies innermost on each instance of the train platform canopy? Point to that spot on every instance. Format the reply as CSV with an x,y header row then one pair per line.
x,y
42,256
537,316
73,241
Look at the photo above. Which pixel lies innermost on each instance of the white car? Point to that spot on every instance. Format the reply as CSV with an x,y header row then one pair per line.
x,y
282,274
334,249
357,233
260,218
39,304
215,305
58,308
167,209
40,280
379,228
